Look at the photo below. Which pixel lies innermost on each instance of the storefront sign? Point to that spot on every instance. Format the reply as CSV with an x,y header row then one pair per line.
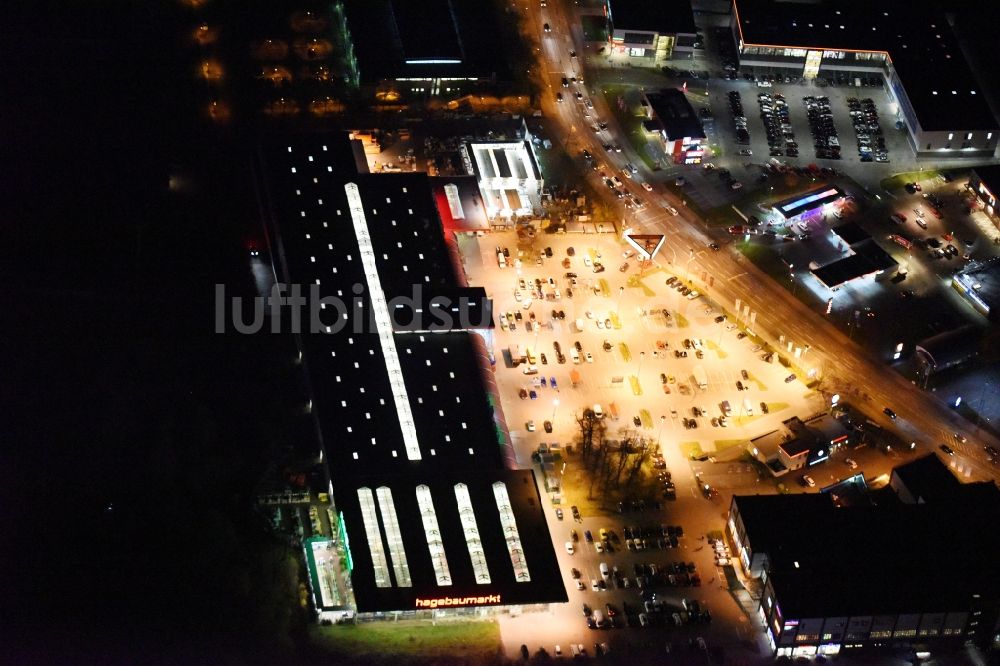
x,y
445,602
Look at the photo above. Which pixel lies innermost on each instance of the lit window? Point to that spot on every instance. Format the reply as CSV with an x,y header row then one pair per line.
x,y
432,532
471,530
374,536
510,533
393,536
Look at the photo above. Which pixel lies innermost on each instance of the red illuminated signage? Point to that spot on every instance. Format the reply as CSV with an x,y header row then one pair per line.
x,y
451,602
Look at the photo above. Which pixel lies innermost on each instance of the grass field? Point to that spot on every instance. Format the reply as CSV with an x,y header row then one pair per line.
x,y
900,179
691,450
410,642
595,28
636,283
631,123
723,444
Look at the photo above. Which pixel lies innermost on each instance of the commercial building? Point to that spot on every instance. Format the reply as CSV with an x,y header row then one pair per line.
x,y
799,444
914,54
674,122
432,48
948,349
984,181
508,176
818,201
431,511
911,569
979,284
865,258
651,33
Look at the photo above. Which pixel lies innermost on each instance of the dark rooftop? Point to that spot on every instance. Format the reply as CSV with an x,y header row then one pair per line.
x,y
796,446
667,17
807,201
928,480
398,409
851,232
869,258
950,348
892,554
925,53
432,38
983,280
676,115
989,176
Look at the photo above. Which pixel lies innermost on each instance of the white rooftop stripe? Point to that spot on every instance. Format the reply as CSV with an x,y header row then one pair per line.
x,y
472,540
433,533
383,324
374,536
510,533
396,552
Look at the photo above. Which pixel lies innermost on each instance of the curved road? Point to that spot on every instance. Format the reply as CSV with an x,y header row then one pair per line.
x,y
845,367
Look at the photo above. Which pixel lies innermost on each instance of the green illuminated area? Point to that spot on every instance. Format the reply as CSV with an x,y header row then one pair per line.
x,y
409,641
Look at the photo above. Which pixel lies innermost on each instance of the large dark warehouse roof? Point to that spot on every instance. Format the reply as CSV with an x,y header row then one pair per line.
x,y
414,444
925,53
890,553
431,38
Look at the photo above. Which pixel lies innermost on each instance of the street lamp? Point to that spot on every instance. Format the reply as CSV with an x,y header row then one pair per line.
x,y
555,405
618,306
659,436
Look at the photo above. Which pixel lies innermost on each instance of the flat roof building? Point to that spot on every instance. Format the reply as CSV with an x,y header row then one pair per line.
x,y
798,444
508,176
430,48
866,258
985,183
949,349
432,510
670,116
914,53
806,549
651,33
979,284
800,205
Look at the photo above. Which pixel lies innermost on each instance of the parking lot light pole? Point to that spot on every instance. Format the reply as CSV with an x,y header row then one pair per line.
x,y
618,306
659,436
555,405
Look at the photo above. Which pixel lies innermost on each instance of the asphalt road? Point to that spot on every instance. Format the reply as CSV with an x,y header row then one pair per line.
x,y
844,367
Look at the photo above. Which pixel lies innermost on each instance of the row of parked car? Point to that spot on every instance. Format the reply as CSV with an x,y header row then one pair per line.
x,y
864,118
739,118
777,124
821,125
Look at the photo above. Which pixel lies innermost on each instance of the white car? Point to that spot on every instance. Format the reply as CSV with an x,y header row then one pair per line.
x,y
850,462
530,425
647,187
590,358
570,548
598,546
670,209
808,480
